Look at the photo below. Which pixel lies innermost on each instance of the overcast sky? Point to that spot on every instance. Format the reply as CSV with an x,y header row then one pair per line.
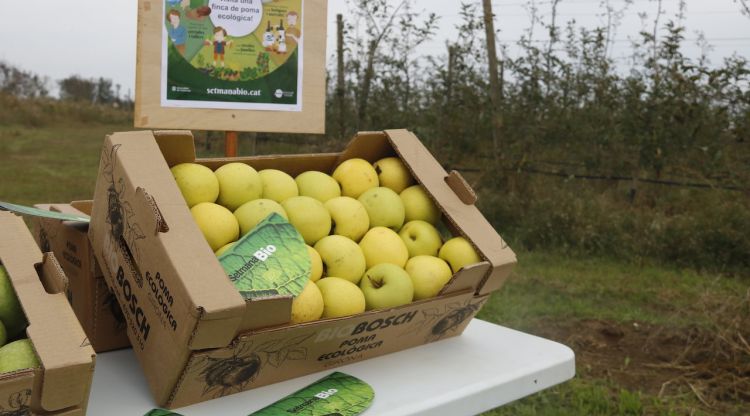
x,y
95,38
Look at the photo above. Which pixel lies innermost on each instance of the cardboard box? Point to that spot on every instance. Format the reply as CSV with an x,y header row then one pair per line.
x,y
92,301
193,333
61,385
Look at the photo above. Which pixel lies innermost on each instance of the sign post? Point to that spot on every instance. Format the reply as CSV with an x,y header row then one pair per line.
x,y
230,144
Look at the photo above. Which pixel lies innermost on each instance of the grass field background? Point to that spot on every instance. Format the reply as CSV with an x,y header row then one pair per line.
x,y
648,339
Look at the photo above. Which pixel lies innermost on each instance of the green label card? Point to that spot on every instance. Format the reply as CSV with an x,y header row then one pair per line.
x,y
272,259
338,394
36,212
161,412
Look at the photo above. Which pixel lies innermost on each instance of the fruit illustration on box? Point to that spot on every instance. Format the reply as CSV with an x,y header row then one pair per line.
x,y
366,237
120,215
226,375
441,322
18,404
110,302
453,319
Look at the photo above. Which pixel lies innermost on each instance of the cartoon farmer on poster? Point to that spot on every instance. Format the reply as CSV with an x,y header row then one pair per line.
x,y
293,33
177,32
219,43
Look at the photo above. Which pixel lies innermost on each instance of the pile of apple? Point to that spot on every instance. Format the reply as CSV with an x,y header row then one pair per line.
x,y
370,230
18,354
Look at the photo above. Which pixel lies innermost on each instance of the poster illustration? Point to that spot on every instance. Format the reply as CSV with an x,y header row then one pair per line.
x,y
232,54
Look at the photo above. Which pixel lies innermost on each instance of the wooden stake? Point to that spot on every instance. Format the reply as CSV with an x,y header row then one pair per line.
x,y
230,144
489,28
340,76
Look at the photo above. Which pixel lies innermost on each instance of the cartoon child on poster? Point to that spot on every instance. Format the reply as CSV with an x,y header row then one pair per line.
x,y
219,43
177,32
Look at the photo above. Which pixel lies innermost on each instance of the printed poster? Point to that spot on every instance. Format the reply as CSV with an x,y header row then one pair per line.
x,y
232,54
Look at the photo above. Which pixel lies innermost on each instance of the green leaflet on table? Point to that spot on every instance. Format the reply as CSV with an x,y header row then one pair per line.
x,y
270,260
337,394
161,412
36,212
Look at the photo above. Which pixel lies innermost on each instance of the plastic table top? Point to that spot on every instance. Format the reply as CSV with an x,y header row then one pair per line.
x,y
485,367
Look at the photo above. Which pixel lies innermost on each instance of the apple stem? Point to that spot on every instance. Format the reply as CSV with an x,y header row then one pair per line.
x,y
375,283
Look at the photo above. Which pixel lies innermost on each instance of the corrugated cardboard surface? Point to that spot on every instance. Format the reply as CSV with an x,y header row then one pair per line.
x,y
274,355
177,301
94,305
67,359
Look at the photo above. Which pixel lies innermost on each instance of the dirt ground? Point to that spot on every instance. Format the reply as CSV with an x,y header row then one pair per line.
x,y
712,365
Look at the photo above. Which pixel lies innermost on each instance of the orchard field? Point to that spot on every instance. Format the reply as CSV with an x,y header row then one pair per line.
x,y
624,189
649,337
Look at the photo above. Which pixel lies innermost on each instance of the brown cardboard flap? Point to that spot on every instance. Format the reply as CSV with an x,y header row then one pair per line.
x,y
83,206
469,277
291,351
52,276
262,313
59,341
177,146
474,226
462,188
77,411
156,221
151,201
62,208
369,145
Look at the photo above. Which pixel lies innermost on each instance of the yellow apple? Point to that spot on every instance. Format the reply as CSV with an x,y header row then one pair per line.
x,y
308,305
317,185
255,211
393,174
342,257
349,217
217,224
383,245
386,286
428,275
18,355
197,183
419,205
340,297
224,249
309,217
458,253
355,176
277,185
11,313
421,238
238,183
316,264
384,207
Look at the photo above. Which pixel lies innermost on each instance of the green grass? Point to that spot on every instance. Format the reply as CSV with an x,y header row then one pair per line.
x,y
591,397
51,164
546,286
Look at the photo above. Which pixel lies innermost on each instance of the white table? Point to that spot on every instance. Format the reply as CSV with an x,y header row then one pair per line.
x,y
485,367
